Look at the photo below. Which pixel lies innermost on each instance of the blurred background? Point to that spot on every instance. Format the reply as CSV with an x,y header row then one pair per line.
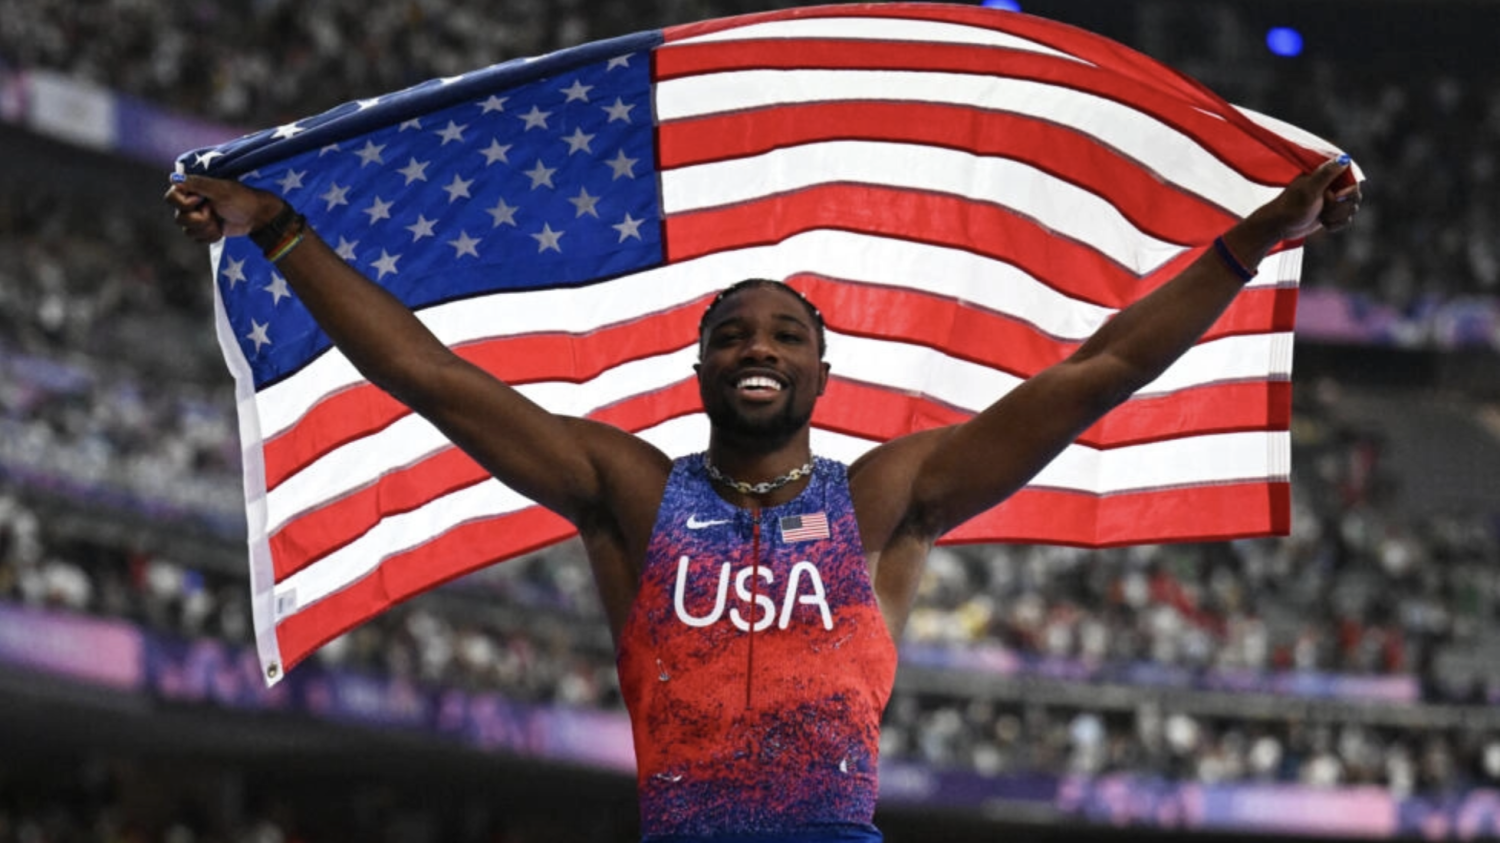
x,y
1343,681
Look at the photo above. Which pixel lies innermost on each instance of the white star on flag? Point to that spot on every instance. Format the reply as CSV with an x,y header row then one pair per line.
x,y
414,171
386,265
464,245
548,239
258,334
278,289
452,133
623,165
503,214
370,154
335,196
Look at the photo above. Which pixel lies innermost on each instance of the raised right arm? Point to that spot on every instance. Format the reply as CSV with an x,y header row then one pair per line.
x,y
581,470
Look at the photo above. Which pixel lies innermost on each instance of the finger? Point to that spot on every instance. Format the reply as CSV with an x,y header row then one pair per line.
x,y
1350,192
1339,216
182,199
211,189
194,215
203,227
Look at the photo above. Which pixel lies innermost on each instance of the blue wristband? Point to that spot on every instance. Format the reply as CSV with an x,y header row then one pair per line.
x,y
1245,273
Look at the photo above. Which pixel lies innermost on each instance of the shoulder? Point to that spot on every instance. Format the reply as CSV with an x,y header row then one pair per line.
x,y
632,473
881,485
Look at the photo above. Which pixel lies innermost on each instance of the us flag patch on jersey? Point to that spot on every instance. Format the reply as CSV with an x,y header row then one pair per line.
x,y
804,528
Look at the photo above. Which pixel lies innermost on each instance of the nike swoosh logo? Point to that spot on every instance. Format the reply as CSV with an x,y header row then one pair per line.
x,y
694,524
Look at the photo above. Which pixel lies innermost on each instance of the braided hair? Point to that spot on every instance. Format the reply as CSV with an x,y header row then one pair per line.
x,y
740,286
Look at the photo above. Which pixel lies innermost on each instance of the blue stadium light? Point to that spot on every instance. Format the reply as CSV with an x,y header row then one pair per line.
x,y
1007,5
1284,41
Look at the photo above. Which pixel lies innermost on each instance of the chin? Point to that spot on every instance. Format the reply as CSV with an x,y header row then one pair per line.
x,y
774,424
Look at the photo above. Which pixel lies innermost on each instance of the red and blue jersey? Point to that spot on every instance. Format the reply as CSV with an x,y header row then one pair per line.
x,y
756,663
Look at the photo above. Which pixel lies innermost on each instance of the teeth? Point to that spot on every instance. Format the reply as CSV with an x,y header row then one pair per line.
x,y
759,382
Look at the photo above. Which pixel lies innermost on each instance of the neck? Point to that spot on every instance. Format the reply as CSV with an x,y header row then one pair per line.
x,y
756,460
759,462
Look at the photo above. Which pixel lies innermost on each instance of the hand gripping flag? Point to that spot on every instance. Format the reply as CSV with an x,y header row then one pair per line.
x,y
966,193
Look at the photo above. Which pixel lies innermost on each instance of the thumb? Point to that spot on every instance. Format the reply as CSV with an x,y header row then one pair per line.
x,y
1327,172
209,188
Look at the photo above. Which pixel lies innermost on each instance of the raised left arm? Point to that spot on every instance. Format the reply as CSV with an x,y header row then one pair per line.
x,y
953,474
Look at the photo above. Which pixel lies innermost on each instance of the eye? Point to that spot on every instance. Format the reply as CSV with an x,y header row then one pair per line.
x,y
790,337
725,337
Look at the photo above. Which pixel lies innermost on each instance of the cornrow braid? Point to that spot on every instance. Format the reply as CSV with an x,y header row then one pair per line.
x,y
740,286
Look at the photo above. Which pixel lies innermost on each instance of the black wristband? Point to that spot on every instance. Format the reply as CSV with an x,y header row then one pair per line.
x,y
270,235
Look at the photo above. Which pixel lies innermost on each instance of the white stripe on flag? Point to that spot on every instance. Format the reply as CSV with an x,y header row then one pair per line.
x,y
1158,147
1052,202
1214,458
878,29
890,262
901,367
900,264
405,441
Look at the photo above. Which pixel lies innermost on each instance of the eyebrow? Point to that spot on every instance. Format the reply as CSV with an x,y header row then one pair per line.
x,y
779,317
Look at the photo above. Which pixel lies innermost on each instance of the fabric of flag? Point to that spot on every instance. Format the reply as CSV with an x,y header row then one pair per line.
x,y
804,528
966,193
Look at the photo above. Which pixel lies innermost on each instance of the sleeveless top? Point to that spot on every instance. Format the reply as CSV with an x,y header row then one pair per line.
x,y
755,663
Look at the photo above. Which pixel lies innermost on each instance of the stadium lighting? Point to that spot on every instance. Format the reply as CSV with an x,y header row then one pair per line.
x,y
1284,41
1006,5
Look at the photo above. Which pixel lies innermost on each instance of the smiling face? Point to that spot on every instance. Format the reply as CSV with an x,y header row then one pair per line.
x,y
760,370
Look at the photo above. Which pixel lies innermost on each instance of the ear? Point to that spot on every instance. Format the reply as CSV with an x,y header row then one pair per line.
x,y
823,377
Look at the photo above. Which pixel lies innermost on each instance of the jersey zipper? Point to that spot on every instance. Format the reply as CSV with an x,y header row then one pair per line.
x,y
754,600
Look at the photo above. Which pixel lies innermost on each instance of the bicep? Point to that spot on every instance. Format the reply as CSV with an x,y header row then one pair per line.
x,y
975,465
568,465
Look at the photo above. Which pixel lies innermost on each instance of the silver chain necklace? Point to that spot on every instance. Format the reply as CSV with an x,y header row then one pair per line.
x,y
755,488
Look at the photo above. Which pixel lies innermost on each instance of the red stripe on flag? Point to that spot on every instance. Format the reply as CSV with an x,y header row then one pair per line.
x,y
1141,197
313,535
957,328
857,409
873,412
1227,141
1070,267
459,551
1043,516
998,340
1094,49
364,409
1032,515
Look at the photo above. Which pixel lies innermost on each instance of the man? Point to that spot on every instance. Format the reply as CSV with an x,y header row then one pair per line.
x,y
756,715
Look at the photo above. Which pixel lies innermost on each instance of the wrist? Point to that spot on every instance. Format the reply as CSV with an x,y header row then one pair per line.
x,y
271,224
1251,239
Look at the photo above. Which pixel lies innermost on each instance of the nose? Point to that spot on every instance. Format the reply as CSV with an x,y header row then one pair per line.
x,y
759,345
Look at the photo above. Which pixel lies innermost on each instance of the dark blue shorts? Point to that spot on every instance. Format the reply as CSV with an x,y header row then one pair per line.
x,y
823,834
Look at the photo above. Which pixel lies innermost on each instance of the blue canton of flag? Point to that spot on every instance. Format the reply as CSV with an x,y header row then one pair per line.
x,y
804,528
550,184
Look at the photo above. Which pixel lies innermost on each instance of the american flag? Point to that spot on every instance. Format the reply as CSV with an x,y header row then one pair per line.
x,y
804,528
966,193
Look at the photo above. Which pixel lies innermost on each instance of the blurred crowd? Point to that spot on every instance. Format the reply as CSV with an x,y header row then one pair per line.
x,y
112,395
268,62
111,387
1153,740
